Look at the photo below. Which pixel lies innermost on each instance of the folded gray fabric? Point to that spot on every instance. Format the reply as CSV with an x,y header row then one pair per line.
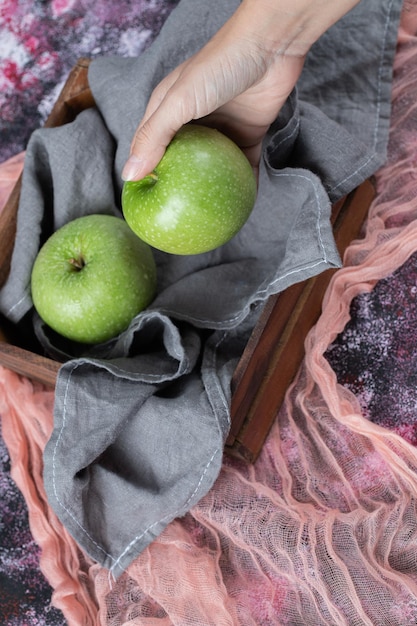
x,y
141,421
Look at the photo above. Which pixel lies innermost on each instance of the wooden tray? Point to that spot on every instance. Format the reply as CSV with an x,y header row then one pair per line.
x,y
276,347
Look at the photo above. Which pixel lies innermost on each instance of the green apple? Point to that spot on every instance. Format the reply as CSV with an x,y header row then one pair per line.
x,y
91,277
198,197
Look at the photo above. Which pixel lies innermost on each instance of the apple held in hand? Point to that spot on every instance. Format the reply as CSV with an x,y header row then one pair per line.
x,y
198,197
91,277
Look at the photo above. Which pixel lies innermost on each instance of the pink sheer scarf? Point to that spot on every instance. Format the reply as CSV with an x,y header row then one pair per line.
x,y
323,528
9,172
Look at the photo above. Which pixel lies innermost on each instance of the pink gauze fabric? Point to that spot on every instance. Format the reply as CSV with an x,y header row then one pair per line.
x,y
9,171
322,529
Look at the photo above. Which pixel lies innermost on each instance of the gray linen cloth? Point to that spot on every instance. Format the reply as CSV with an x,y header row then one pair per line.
x,y
140,422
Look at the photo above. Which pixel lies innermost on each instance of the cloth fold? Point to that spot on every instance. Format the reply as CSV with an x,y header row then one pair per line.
x,y
140,422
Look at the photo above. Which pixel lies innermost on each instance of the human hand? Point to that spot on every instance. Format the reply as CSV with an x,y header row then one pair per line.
x,y
236,83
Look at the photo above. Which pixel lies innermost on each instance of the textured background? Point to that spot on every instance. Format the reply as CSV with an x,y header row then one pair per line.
x,y
374,356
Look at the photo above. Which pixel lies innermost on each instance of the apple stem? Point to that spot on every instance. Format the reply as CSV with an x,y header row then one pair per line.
x,y
77,264
150,180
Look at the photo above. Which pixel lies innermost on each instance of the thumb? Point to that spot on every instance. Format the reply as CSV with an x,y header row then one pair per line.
x,y
163,117
147,149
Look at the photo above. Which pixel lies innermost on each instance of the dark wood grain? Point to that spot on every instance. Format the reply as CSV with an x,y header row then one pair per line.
x,y
29,364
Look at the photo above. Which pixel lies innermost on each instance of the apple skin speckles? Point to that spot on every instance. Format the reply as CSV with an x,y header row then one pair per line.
x,y
92,277
200,195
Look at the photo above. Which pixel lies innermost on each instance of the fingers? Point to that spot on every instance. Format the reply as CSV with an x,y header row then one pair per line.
x,y
223,68
189,93
194,90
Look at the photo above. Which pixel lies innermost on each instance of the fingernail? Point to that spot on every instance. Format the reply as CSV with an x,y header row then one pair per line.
x,y
132,168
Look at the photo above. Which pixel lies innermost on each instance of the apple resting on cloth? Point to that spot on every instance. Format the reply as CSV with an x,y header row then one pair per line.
x,y
91,277
198,197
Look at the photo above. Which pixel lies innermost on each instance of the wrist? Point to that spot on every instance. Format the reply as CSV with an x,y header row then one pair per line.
x,y
289,27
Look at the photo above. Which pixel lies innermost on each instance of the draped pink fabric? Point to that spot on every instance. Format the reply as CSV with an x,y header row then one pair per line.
x,y
9,172
322,529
